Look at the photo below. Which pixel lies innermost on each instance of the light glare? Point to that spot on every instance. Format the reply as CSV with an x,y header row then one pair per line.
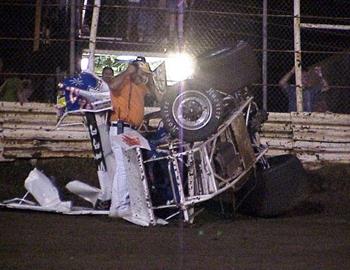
x,y
179,67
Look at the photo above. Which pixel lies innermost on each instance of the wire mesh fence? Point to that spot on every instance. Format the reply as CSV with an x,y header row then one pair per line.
x,y
36,40
325,53
34,48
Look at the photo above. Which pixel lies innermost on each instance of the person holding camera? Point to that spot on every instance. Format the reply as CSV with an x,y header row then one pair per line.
x,y
127,91
314,85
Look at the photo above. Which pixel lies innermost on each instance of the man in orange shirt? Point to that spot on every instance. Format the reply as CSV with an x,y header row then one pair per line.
x,y
127,91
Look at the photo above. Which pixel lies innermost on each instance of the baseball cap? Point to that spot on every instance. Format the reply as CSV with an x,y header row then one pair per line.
x,y
142,64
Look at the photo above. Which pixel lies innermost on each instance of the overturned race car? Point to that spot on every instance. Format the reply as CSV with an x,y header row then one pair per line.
x,y
205,143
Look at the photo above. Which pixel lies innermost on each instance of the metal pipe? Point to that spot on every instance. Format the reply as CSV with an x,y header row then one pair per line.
x,y
83,13
93,33
146,190
297,57
180,24
325,26
36,41
72,39
264,56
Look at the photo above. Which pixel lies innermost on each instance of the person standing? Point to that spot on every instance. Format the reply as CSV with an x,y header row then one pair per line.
x,y
107,74
312,89
16,90
127,91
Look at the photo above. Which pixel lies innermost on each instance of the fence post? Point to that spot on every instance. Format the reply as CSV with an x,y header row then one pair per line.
x,y
264,60
297,57
180,24
36,42
93,32
72,39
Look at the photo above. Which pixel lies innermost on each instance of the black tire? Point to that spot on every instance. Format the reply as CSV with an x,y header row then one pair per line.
x,y
192,114
278,189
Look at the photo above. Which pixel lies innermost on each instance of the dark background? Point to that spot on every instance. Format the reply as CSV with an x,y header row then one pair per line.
x,y
208,24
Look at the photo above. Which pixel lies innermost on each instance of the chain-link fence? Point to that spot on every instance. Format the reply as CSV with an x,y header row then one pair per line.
x,y
34,47
327,50
36,39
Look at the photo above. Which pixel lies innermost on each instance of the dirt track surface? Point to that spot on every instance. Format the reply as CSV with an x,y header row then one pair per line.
x,y
316,235
49,241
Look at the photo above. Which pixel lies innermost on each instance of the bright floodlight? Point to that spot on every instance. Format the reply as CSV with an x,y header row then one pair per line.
x,y
179,67
84,63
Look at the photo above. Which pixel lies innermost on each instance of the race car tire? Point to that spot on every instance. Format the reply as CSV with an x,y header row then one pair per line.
x,y
191,114
278,189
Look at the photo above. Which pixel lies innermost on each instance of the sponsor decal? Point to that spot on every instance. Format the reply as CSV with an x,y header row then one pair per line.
x,y
96,142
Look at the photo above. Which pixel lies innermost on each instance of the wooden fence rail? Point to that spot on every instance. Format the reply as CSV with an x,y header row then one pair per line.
x,y
26,131
314,137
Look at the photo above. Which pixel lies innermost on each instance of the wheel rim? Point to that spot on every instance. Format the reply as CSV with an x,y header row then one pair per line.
x,y
192,110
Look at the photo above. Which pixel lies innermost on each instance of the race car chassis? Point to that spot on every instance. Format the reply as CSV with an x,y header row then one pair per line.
x,y
204,179
191,167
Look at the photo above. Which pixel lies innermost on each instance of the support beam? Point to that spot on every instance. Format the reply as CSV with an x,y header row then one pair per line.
x,y
72,60
36,42
264,60
93,33
180,24
297,57
325,26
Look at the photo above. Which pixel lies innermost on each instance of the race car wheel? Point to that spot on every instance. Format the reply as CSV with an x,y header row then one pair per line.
x,y
275,190
192,115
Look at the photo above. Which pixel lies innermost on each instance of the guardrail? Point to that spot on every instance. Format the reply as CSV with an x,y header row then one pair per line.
x,y
315,138
26,132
